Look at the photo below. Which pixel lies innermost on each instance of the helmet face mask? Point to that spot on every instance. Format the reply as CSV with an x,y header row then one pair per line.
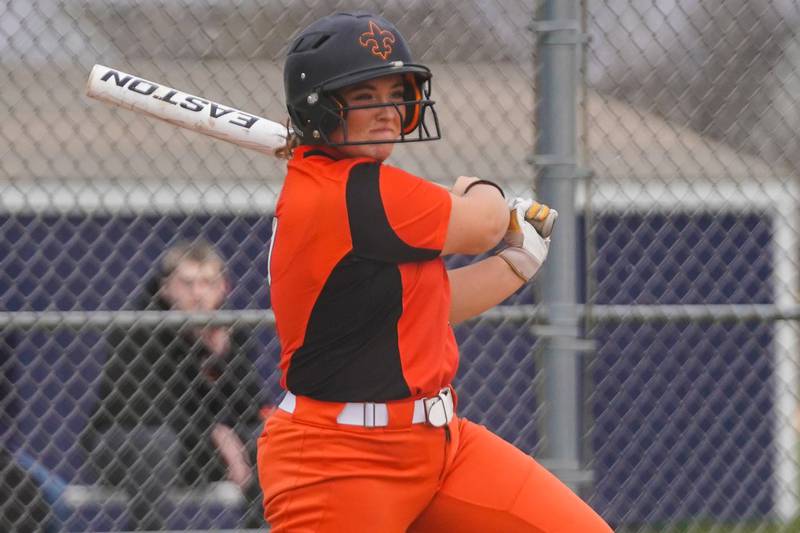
x,y
414,126
342,50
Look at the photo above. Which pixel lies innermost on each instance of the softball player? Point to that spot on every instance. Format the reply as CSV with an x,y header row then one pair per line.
x,y
367,437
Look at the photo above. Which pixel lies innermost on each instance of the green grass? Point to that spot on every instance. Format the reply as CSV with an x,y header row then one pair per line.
x,y
717,527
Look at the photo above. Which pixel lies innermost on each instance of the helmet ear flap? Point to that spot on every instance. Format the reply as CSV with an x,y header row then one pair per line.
x,y
298,120
411,93
327,115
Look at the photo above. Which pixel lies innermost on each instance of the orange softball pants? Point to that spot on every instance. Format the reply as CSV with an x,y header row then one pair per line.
x,y
322,477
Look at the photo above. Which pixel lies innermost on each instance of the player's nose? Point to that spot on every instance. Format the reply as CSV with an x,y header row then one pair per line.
x,y
387,112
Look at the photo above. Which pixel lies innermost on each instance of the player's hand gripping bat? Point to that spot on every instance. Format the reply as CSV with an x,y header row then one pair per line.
x,y
542,218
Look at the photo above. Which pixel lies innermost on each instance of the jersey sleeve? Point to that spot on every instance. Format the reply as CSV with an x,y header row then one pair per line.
x,y
395,216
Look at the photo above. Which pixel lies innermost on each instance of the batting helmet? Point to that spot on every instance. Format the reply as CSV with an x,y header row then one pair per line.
x,y
344,49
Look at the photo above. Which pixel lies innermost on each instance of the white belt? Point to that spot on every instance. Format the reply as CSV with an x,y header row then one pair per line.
x,y
436,411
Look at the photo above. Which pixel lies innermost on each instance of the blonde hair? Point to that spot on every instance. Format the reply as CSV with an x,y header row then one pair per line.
x,y
197,251
292,141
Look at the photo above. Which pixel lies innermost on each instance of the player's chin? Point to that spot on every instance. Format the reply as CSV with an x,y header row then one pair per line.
x,y
380,151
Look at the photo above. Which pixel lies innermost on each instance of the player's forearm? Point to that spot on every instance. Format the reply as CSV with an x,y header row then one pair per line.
x,y
480,286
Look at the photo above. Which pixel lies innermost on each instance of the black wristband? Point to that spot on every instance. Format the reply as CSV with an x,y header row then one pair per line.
x,y
484,182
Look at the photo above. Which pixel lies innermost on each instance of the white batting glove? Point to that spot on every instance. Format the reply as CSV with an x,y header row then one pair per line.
x,y
538,215
527,248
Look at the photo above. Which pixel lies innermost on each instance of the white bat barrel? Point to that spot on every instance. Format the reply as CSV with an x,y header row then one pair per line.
x,y
185,110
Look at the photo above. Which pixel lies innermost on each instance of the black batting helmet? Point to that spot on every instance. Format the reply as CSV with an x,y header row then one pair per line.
x,y
344,49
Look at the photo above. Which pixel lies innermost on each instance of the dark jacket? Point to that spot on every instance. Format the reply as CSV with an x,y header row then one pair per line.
x,y
163,375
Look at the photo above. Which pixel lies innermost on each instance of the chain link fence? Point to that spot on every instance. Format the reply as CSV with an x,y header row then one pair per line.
x,y
688,243
690,130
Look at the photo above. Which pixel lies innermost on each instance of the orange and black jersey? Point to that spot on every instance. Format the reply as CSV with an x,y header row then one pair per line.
x,y
360,294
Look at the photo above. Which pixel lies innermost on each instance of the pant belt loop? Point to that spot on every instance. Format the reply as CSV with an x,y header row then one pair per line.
x,y
369,414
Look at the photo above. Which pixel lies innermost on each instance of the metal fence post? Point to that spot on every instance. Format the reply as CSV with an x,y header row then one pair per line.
x,y
560,39
786,223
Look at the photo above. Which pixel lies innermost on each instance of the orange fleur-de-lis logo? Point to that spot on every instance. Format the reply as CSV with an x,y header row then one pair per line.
x,y
378,41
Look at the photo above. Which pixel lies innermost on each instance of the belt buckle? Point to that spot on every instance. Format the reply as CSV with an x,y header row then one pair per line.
x,y
439,409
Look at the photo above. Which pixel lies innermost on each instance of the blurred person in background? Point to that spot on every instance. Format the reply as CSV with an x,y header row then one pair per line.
x,y
179,405
367,437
